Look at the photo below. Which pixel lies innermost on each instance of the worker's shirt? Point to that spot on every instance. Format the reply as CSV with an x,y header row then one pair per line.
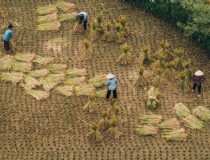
x,y
112,84
198,79
85,15
8,35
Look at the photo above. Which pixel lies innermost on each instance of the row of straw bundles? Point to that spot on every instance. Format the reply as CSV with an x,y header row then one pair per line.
x,y
47,18
65,6
202,112
181,110
50,26
98,80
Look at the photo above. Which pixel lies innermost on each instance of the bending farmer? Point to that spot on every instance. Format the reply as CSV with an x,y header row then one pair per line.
x,y
83,18
112,85
7,36
198,79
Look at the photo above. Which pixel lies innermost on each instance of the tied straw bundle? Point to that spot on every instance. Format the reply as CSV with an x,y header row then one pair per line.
x,y
56,68
193,123
30,82
46,10
202,112
39,73
181,110
64,6
75,80
67,17
150,119
42,60
177,135
6,63
65,90
50,26
21,66
98,80
85,89
47,18
144,130
75,72
170,124
24,57
13,77
39,95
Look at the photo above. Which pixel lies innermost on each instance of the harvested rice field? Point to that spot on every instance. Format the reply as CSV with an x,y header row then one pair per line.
x,y
77,125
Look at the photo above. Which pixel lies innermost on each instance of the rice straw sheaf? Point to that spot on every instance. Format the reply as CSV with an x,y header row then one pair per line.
x,y
39,73
65,90
67,17
101,93
202,112
38,94
150,119
85,89
76,72
56,68
47,85
98,80
181,110
176,135
170,124
13,77
21,66
144,130
193,123
24,57
42,60
50,26
6,63
30,82
75,80
46,10
47,18
64,6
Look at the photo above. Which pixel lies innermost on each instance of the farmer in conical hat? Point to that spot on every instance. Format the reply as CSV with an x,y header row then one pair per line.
x,y
198,79
7,36
83,18
112,85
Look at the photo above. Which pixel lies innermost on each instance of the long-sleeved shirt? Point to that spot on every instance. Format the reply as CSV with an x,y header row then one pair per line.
x,y
8,35
85,15
112,84
198,79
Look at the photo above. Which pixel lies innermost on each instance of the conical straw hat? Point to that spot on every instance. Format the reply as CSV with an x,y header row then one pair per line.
x,y
110,75
199,73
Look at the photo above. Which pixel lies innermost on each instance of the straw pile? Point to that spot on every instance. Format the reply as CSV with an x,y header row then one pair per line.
x,y
24,57
101,93
65,90
30,82
42,60
46,10
13,77
75,80
181,110
39,95
202,112
51,26
21,66
193,123
146,130
39,73
84,89
75,72
6,63
152,119
67,17
170,124
56,68
65,7
47,18
178,135
98,80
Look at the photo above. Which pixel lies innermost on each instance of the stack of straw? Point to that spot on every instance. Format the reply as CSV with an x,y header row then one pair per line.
x,y
75,80
57,68
65,90
6,63
30,82
47,18
65,7
42,60
39,73
75,72
202,112
46,10
84,89
21,66
67,17
193,123
13,77
181,110
39,95
24,57
98,80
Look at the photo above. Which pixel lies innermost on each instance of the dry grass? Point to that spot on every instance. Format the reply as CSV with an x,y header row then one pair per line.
x,y
6,63
85,89
21,66
47,18
65,6
24,57
76,72
181,110
39,73
65,90
46,10
51,26
13,77
75,80
67,17
38,94
42,60
98,80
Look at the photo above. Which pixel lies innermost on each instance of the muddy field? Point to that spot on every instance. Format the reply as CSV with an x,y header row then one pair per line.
x,y
50,129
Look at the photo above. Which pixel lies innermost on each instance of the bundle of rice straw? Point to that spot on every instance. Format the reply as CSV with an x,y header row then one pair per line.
x,y
39,73
75,80
47,85
21,66
65,90
24,57
170,124
46,10
144,130
181,110
85,89
47,18
56,68
30,82
202,112
150,119
177,134
98,80
42,60
6,63
13,77
101,93
50,26
67,17
75,72
193,123
64,6
39,95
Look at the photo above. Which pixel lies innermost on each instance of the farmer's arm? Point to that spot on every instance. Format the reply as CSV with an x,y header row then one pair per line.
x,y
107,83
10,35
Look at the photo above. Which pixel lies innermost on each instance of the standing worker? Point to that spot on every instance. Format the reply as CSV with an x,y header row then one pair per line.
x,y
7,36
112,86
198,79
83,18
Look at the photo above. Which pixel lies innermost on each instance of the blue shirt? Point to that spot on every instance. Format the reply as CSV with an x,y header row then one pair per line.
x,y
112,84
7,35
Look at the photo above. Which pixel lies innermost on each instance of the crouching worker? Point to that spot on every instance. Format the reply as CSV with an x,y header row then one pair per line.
x,y
198,79
112,85
7,36
83,19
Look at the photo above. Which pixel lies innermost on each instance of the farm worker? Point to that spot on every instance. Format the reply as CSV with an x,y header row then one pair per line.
x,y
198,79
83,18
112,85
7,36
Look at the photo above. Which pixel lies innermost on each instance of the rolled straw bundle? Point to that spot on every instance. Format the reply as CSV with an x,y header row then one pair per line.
x,y
47,18
181,110
24,57
144,130
202,112
46,10
50,26
13,77
6,63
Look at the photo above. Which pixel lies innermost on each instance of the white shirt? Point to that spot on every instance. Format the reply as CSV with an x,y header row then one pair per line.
x,y
85,15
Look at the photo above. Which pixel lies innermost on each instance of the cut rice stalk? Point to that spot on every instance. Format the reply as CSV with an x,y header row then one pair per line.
x,y
181,110
47,18
202,112
46,10
98,80
85,89
65,6
67,17
39,73
170,124
65,90
75,72
177,135
151,119
21,66
39,95
6,63
50,26
24,57
57,78
101,93
47,85
13,77
74,81
193,123
56,68
42,60
144,130
30,82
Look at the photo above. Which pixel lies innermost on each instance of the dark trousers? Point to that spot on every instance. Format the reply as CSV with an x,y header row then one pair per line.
x,y
199,87
109,93
84,24
6,45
